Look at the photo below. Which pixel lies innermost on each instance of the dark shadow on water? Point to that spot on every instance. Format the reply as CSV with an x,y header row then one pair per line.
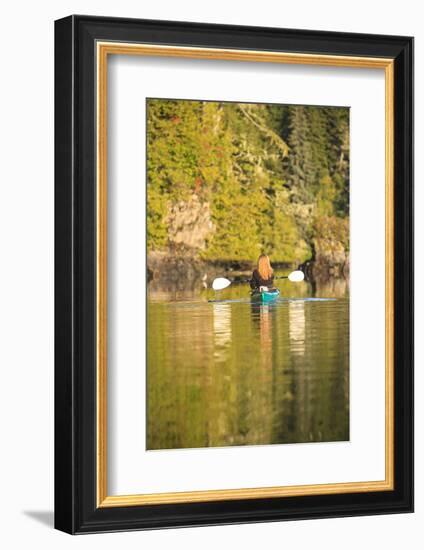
x,y
46,517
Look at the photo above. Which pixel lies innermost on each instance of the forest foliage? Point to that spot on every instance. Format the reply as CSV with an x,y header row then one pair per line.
x,y
275,177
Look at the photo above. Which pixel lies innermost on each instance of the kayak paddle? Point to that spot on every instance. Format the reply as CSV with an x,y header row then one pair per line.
x,y
221,282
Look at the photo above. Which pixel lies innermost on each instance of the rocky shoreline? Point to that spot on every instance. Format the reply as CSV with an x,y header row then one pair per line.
x,y
166,270
172,272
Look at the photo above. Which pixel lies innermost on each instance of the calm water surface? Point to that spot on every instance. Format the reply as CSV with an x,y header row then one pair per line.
x,y
232,373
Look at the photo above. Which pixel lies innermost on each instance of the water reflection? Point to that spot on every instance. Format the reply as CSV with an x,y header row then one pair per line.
x,y
221,329
237,373
331,287
297,327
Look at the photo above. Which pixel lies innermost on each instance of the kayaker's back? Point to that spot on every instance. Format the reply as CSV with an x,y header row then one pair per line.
x,y
257,281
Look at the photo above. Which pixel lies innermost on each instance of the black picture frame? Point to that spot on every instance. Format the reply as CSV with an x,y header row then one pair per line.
x,y
76,508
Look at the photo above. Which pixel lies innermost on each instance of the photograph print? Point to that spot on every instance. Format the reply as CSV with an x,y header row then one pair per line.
x,y
247,274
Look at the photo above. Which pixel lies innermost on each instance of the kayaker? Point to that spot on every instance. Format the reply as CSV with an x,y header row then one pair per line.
x,y
263,275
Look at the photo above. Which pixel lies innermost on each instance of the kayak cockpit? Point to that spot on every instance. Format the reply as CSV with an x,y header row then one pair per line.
x,y
264,296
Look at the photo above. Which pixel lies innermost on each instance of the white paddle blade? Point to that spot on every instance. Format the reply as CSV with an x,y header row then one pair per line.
x,y
296,276
220,283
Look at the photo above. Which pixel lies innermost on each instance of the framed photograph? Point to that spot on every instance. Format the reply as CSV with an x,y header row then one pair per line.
x,y
234,274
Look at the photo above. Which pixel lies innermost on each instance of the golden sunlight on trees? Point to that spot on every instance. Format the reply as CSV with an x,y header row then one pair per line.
x,y
246,178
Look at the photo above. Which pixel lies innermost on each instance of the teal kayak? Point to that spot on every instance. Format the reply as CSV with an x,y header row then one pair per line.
x,y
265,296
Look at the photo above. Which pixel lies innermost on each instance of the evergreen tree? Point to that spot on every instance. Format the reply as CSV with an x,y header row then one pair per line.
x,y
269,173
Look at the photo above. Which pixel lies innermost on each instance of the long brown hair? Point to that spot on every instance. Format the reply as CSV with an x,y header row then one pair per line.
x,y
264,267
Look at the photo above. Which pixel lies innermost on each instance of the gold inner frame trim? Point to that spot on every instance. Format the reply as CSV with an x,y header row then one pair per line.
x,y
104,49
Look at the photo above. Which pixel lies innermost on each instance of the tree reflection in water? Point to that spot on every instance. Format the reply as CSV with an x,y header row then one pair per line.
x,y
237,373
